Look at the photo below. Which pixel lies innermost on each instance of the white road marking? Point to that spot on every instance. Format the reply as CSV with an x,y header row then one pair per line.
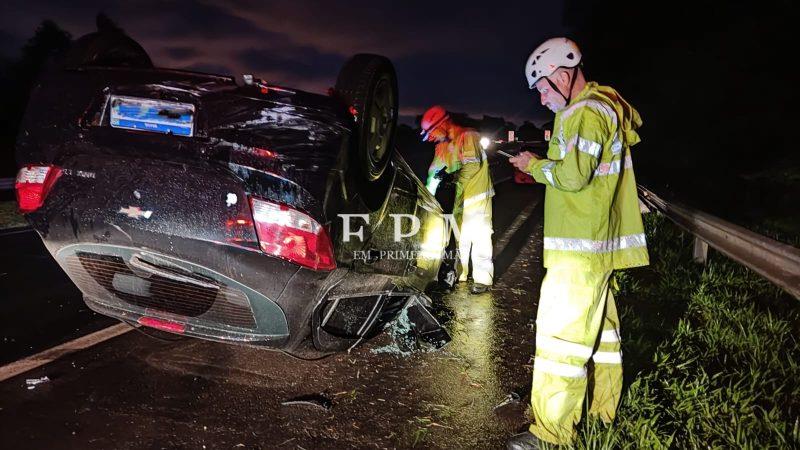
x,y
501,180
501,243
17,230
31,362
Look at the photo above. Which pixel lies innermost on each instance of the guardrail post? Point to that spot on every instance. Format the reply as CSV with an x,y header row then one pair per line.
x,y
700,252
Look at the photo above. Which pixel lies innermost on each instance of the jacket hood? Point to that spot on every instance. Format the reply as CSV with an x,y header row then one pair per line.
x,y
629,118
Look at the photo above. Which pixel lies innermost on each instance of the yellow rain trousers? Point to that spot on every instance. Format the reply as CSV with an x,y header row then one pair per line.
x,y
592,226
577,346
473,202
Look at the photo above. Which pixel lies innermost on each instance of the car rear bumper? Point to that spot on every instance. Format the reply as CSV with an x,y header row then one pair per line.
x,y
131,283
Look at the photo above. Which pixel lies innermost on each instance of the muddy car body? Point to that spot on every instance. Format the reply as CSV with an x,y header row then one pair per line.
x,y
200,205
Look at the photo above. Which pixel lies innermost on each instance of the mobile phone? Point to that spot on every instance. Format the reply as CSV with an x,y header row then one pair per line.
x,y
506,154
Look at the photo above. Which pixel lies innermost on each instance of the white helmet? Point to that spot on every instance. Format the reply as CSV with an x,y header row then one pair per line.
x,y
552,54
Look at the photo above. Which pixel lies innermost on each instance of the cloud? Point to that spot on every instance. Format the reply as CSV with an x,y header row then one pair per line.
x,y
197,19
380,27
182,52
212,68
306,63
466,57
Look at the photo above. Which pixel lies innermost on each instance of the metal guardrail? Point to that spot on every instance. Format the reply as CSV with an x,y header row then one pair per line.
x,y
6,184
775,261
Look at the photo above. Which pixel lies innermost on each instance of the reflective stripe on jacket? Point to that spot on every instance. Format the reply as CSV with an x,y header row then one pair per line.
x,y
592,215
464,155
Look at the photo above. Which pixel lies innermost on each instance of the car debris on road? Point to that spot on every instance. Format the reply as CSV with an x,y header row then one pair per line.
x,y
33,382
313,400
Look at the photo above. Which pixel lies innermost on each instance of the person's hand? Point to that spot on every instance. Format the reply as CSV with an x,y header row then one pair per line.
x,y
522,160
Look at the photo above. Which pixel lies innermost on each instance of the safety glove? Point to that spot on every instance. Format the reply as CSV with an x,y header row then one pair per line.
x,y
433,184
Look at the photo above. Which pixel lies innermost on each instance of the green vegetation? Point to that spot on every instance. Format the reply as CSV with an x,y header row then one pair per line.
x,y
711,355
9,216
773,196
17,78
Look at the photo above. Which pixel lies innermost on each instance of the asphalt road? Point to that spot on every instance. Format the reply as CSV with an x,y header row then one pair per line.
x,y
39,305
134,391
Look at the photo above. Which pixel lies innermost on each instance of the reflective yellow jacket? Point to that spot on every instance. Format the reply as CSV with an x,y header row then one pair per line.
x,y
464,155
592,218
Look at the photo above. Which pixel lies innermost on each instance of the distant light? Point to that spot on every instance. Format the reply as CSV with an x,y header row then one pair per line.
x,y
485,142
263,152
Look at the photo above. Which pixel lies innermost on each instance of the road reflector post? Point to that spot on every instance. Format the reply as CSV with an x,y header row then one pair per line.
x,y
700,252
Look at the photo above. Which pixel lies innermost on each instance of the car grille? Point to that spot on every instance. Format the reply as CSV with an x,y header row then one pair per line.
x,y
107,278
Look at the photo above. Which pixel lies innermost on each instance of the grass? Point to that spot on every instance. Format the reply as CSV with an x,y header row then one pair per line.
x,y
777,188
711,355
785,228
9,216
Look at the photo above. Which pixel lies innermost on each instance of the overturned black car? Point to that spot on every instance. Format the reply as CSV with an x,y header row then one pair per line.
x,y
238,212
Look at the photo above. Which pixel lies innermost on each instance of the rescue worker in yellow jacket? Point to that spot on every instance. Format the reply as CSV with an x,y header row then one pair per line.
x,y
592,226
458,150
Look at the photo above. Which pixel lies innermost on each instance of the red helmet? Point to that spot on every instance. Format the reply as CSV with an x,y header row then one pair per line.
x,y
433,117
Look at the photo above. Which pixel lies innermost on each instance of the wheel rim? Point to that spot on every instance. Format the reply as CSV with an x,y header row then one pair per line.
x,y
380,118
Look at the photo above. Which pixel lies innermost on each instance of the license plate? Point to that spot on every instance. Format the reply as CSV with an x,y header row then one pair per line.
x,y
157,116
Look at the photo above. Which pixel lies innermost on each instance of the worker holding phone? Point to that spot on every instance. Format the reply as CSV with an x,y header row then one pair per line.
x,y
592,226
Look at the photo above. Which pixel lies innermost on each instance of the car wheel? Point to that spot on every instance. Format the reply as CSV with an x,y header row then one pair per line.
x,y
367,84
107,49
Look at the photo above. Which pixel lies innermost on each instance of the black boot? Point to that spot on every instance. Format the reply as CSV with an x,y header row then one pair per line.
x,y
524,441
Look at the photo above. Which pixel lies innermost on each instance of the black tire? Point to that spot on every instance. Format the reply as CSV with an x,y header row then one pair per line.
x,y
107,49
367,84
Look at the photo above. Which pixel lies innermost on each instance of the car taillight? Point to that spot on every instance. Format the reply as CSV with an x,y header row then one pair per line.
x,y
33,184
163,325
290,234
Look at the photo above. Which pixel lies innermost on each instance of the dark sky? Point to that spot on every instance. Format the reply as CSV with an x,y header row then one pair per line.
x,y
468,58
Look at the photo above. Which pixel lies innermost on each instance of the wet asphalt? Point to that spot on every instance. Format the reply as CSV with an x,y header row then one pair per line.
x,y
39,306
136,391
